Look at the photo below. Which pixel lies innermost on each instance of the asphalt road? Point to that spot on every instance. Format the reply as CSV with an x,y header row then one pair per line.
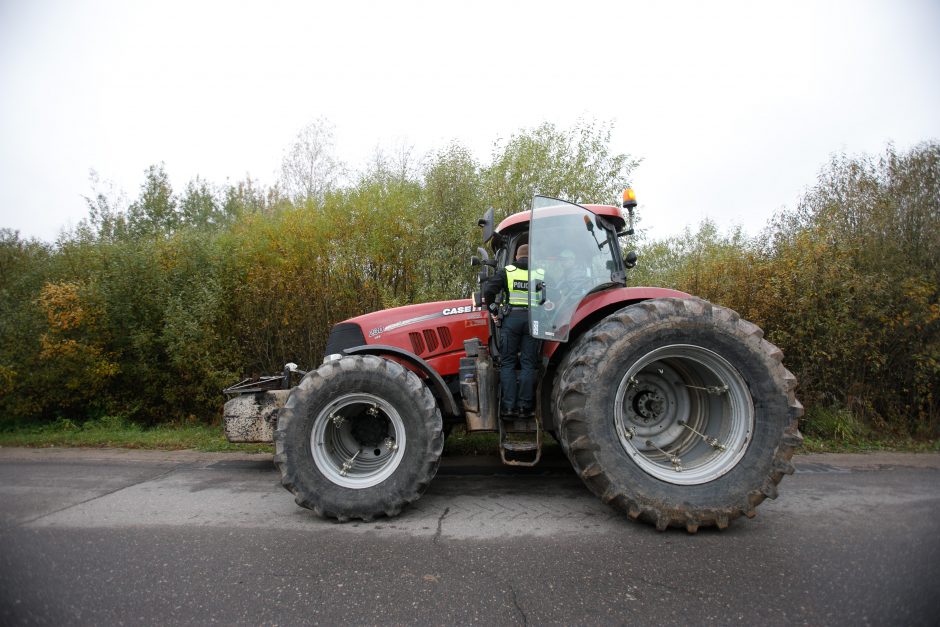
x,y
93,537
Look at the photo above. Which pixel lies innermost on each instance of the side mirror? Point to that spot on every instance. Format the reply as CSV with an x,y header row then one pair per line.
x,y
486,223
476,261
630,260
483,259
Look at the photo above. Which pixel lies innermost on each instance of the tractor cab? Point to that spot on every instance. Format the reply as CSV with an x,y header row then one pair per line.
x,y
574,251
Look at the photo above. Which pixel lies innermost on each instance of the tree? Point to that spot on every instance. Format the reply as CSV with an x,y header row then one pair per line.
x,y
575,165
107,218
309,168
154,212
199,206
246,197
452,203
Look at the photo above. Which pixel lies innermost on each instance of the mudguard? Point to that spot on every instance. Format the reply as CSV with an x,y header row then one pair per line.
x,y
436,382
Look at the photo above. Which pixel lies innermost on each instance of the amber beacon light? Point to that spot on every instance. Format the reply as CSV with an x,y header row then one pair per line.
x,y
629,198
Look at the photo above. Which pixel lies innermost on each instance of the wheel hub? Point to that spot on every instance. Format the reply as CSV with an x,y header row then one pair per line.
x,y
649,405
369,428
358,440
651,408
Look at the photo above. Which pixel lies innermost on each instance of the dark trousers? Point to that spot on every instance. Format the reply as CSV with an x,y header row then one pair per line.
x,y
515,338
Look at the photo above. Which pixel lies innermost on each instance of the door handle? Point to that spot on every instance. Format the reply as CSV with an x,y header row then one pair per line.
x,y
540,288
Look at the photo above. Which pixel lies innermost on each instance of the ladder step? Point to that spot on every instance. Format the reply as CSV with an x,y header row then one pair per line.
x,y
519,426
518,447
520,441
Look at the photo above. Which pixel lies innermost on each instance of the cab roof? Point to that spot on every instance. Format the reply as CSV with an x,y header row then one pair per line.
x,y
608,211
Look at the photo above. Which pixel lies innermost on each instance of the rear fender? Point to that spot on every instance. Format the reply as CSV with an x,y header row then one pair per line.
x,y
600,304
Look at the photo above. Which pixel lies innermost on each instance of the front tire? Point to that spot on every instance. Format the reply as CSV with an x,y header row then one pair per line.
x,y
678,413
359,437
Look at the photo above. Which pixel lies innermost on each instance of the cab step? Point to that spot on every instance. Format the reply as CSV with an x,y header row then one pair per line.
x,y
515,425
520,442
520,447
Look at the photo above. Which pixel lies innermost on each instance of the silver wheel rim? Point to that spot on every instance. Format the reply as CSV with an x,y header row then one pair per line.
x,y
358,441
684,414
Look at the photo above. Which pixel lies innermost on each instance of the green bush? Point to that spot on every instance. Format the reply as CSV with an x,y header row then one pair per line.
x,y
145,312
847,284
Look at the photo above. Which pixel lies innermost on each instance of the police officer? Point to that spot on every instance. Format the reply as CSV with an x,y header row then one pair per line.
x,y
517,347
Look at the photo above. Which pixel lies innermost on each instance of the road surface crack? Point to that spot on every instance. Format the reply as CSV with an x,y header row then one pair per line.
x,y
440,523
515,601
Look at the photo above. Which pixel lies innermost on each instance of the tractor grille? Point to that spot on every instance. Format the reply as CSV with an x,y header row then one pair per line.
x,y
417,343
444,332
430,340
430,337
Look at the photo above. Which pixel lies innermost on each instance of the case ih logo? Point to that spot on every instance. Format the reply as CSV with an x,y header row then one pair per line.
x,y
450,311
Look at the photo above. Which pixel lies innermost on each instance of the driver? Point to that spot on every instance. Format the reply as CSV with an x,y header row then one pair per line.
x,y
573,272
568,268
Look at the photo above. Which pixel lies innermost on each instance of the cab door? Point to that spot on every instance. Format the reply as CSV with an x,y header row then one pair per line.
x,y
569,257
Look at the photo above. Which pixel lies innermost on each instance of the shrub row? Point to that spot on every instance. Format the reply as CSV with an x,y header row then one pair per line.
x,y
147,312
847,284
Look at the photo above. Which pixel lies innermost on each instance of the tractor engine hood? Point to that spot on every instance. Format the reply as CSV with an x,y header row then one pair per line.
x,y
426,329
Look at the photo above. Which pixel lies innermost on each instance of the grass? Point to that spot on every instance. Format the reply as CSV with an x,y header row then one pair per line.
x,y
837,430
116,432
462,443
825,431
813,444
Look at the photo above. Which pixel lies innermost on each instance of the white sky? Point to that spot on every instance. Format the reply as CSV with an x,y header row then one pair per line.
x,y
733,107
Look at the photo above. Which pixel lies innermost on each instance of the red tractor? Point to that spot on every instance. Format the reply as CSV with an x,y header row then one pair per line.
x,y
671,409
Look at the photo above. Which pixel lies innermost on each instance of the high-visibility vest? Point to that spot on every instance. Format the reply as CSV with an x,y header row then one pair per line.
x,y
517,281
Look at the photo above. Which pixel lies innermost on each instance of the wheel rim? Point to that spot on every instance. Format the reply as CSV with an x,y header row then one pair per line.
x,y
358,441
684,414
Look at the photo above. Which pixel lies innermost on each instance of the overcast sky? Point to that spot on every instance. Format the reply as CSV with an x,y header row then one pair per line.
x,y
733,107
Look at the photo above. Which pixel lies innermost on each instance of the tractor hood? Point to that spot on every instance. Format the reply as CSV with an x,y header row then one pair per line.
x,y
425,329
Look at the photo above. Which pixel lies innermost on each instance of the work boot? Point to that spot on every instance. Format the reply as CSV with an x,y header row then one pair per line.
x,y
509,414
526,413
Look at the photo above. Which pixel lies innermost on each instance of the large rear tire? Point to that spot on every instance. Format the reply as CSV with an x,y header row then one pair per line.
x,y
359,437
678,413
